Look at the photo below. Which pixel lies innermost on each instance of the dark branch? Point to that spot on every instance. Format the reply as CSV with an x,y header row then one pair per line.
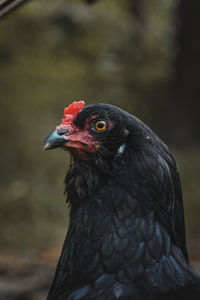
x,y
7,6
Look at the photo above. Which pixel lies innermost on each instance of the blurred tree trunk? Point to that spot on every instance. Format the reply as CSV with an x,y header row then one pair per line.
x,y
137,9
183,108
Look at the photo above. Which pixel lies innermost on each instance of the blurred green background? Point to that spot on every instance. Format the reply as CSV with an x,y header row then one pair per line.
x,y
143,56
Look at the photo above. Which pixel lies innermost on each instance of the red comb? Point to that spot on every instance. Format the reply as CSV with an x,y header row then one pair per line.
x,y
74,108
71,111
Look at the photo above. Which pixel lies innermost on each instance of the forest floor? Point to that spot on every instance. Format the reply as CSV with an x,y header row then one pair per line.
x,y
23,278
30,279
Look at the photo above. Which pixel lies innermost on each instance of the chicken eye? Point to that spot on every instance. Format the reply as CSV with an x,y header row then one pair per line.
x,y
100,125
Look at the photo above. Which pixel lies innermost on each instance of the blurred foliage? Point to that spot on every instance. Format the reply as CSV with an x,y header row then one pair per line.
x,y
67,51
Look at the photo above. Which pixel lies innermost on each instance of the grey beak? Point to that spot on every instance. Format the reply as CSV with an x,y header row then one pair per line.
x,y
53,140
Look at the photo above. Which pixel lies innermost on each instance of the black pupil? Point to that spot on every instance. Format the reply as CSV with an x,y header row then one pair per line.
x,y
101,125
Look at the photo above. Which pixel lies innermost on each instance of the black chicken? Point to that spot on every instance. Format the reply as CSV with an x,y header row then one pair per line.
x,y
126,237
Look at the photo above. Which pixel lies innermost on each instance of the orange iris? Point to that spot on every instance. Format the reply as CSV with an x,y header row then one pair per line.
x,y
101,125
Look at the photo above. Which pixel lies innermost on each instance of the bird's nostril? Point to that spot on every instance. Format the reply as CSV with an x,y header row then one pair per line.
x,y
62,131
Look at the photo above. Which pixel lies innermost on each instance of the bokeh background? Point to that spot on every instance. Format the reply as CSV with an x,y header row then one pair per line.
x,y
141,55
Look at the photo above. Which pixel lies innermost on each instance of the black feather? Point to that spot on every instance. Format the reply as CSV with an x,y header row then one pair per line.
x,y
126,238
